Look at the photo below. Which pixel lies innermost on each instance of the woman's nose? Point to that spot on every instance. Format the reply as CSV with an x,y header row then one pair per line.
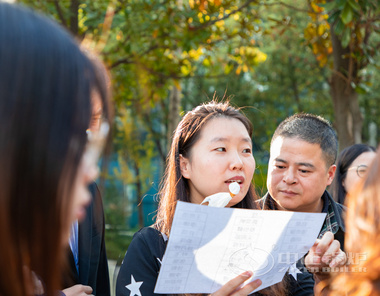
x,y
236,162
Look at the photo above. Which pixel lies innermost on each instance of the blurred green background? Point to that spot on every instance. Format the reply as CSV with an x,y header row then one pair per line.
x,y
272,58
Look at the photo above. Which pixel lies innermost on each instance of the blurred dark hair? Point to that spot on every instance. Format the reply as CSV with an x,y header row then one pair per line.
x,y
45,109
312,129
345,159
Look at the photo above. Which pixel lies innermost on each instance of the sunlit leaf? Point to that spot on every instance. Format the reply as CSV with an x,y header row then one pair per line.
x,y
347,14
339,27
354,5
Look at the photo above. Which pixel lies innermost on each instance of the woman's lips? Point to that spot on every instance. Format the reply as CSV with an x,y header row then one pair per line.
x,y
238,179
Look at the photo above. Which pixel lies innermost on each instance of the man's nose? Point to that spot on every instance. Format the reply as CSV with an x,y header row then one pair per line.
x,y
290,176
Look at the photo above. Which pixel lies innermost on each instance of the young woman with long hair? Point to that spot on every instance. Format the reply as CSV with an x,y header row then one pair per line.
x,y
211,147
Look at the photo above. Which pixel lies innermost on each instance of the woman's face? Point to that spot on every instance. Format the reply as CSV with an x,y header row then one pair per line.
x,y
360,164
222,154
87,173
88,169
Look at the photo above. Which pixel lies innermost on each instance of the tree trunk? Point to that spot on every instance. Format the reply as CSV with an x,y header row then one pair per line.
x,y
294,83
348,118
139,195
74,28
173,116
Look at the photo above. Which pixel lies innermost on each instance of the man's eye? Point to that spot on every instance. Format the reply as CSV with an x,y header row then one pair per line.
x,y
280,166
304,171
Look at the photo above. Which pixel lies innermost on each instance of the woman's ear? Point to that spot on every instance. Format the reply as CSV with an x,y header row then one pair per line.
x,y
184,166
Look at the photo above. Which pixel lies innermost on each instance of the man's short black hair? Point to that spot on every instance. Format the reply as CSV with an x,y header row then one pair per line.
x,y
312,129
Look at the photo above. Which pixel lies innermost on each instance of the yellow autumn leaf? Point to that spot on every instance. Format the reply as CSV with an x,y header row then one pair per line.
x,y
177,84
238,70
260,56
155,33
219,24
228,68
206,62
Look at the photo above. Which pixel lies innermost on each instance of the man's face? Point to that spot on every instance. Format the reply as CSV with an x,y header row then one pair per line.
x,y
298,174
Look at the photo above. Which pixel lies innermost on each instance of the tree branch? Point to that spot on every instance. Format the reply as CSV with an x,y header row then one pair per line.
x,y
210,23
120,62
286,5
156,136
74,17
60,14
129,61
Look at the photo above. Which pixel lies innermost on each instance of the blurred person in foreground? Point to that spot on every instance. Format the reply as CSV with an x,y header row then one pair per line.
x,y
87,256
361,275
351,167
47,160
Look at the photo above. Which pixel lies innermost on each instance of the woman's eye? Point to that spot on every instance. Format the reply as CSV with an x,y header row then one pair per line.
x,y
221,149
248,150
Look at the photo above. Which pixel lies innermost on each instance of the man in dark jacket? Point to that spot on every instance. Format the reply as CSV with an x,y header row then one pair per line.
x,y
301,165
88,274
88,267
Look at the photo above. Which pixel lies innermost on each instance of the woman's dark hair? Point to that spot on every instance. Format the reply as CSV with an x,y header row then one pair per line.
x,y
45,109
187,133
344,161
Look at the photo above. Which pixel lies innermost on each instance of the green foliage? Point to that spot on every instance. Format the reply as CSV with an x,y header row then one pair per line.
x,y
274,58
115,212
117,242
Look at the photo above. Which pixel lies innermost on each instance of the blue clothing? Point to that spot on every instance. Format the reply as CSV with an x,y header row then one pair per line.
x,y
74,243
92,258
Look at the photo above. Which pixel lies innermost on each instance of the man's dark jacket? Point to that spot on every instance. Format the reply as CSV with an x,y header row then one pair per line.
x,y
93,266
305,280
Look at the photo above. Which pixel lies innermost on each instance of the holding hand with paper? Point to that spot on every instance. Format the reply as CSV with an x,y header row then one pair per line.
x,y
220,200
211,149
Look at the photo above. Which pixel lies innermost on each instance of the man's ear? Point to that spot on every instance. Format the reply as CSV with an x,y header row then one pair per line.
x,y
331,174
184,166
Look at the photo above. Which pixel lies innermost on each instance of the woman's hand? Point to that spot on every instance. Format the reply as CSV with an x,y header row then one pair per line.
x,y
231,288
78,290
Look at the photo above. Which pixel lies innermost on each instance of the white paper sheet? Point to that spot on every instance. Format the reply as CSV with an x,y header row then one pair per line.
x,y
209,246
